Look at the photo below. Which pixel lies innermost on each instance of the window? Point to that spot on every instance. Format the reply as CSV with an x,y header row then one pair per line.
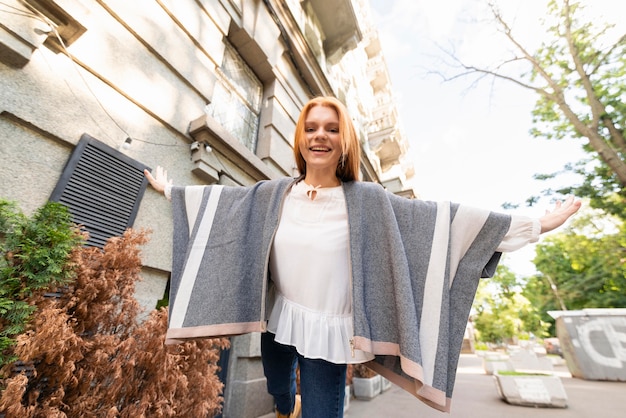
x,y
237,97
102,189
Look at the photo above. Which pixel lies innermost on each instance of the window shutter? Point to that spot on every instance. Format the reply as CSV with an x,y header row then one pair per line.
x,y
102,188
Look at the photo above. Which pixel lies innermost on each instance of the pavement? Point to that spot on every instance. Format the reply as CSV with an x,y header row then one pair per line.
x,y
475,396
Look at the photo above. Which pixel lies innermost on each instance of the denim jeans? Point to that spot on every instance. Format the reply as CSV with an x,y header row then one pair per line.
x,y
322,384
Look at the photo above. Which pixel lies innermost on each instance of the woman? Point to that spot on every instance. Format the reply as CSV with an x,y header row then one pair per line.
x,y
356,274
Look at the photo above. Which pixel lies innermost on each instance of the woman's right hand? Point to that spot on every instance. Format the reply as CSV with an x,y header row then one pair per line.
x,y
159,181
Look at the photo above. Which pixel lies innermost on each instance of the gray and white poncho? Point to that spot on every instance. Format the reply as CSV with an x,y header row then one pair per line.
x,y
415,267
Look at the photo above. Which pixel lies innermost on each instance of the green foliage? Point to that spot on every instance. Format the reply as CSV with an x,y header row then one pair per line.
x,y
579,76
481,346
584,267
502,312
35,254
580,72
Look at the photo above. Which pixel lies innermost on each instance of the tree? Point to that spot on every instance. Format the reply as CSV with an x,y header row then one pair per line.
x,y
502,313
583,267
580,78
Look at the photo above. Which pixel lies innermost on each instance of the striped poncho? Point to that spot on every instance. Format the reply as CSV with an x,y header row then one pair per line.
x,y
415,267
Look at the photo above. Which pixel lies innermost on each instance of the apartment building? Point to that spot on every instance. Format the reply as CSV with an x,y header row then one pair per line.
x,y
94,91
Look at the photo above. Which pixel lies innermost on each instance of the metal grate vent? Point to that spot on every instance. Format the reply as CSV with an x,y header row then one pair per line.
x,y
102,188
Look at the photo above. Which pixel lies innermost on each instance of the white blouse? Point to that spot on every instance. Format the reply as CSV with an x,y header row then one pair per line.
x,y
310,268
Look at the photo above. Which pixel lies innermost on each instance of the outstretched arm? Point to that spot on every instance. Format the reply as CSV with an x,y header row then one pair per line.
x,y
159,181
525,230
561,213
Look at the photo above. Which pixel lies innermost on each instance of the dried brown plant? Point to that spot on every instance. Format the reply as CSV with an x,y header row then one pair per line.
x,y
90,355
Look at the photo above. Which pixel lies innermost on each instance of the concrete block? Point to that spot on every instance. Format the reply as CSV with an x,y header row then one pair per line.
x,y
366,388
527,360
493,362
531,390
385,384
593,344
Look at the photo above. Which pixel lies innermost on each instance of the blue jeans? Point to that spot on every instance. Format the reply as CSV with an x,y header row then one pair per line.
x,y
322,384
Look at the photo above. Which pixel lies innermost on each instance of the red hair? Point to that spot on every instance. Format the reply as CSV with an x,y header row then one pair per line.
x,y
350,163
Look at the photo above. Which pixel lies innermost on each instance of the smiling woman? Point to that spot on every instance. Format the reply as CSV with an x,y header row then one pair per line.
x,y
334,271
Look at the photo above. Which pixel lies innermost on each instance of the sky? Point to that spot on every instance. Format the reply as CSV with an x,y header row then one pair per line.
x,y
470,142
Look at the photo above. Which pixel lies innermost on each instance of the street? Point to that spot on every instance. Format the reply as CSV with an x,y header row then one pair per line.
x,y
476,396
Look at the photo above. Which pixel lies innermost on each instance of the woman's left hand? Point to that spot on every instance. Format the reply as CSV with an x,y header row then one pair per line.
x,y
561,213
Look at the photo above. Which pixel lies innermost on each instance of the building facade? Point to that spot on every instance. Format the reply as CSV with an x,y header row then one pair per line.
x,y
93,91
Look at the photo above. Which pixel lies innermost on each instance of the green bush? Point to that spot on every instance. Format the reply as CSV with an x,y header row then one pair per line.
x,y
481,346
34,257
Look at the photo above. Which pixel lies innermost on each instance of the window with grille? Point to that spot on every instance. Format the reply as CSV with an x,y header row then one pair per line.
x,y
102,189
237,97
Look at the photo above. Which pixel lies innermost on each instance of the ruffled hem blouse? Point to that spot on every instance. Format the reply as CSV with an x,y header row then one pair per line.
x,y
315,335
309,265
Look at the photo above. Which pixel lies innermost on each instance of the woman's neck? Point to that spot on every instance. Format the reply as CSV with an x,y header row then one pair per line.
x,y
321,181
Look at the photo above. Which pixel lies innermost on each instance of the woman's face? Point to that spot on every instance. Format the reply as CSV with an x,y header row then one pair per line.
x,y
321,148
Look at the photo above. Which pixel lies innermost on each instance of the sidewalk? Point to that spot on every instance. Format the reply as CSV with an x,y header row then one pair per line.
x,y
476,396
